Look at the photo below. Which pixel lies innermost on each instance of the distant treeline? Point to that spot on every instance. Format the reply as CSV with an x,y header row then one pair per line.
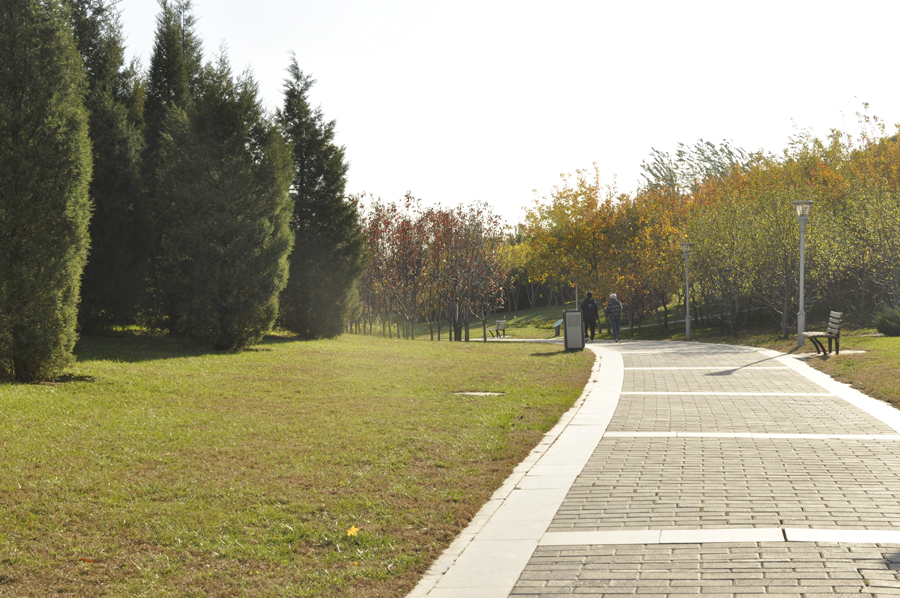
x,y
736,209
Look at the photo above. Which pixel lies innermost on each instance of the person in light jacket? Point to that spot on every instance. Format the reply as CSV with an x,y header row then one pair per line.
x,y
614,315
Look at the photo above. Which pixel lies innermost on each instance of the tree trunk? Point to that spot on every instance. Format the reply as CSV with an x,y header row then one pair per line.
x,y
531,293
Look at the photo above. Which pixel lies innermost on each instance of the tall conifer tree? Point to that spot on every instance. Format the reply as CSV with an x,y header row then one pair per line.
x,y
45,170
225,170
113,276
175,69
329,247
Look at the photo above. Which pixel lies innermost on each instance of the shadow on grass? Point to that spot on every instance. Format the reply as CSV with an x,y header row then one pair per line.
x,y
274,339
135,347
65,378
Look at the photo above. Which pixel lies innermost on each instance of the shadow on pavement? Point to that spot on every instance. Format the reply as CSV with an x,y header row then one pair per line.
x,y
731,371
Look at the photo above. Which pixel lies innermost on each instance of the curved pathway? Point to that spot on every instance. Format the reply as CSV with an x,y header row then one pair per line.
x,y
690,468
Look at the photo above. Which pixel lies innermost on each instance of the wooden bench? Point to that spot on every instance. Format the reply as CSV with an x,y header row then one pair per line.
x,y
499,328
557,326
833,331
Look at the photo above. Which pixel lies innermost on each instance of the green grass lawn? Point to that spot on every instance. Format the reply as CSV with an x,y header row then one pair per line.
x,y
154,468
875,372
158,469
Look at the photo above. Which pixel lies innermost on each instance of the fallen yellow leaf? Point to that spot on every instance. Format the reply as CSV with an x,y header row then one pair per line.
x,y
352,531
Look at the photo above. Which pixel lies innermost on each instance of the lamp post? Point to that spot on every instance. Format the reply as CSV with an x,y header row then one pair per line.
x,y
803,208
686,249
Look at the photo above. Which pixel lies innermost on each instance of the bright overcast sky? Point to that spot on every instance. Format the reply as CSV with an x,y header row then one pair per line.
x,y
464,101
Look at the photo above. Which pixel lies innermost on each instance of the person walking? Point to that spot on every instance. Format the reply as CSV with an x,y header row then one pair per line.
x,y
614,315
590,313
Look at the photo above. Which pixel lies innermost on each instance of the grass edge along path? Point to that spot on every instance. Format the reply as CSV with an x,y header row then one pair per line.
x,y
323,468
873,366
868,362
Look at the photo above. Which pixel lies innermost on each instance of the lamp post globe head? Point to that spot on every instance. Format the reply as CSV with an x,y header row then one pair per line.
x,y
803,208
686,248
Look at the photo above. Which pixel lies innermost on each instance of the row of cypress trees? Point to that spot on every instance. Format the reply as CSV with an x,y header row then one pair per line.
x,y
197,198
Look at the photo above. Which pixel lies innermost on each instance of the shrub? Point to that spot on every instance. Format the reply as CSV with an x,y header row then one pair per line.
x,y
887,321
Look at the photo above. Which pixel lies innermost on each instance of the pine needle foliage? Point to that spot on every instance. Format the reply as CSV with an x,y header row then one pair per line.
x,y
173,79
113,276
887,321
175,68
225,172
329,252
45,170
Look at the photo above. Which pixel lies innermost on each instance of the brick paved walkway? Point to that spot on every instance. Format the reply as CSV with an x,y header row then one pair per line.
x,y
695,469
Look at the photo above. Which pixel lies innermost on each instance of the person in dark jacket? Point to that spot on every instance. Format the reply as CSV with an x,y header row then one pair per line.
x,y
590,313
614,315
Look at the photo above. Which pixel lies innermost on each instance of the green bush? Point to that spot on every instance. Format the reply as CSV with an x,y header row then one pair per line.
x,y
887,321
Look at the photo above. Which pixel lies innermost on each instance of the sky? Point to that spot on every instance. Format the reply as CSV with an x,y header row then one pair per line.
x,y
458,102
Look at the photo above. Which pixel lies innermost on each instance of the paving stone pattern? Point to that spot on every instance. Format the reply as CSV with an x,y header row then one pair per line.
x,y
726,359
730,413
713,482
668,483
730,380
798,569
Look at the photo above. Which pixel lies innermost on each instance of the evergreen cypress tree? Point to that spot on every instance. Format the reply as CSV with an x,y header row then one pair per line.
x,y
175,68
113,276
45,170
224,175
329,248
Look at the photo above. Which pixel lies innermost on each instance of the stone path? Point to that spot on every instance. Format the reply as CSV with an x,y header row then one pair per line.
x,y
690,468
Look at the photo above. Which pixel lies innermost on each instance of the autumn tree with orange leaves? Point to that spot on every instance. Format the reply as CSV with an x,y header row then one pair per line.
x,y
439,264
735,207
453,266
571,233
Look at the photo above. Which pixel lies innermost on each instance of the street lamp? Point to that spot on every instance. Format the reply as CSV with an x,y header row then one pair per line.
x,y
686,249
803,208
